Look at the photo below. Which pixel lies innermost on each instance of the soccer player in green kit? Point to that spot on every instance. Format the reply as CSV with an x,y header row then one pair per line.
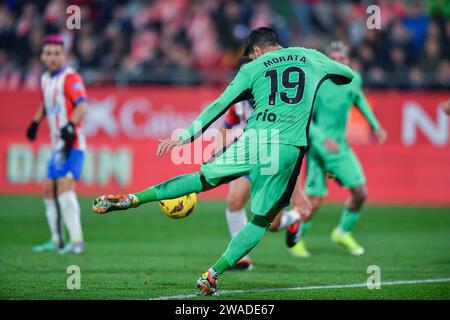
x,y
330,153
283,82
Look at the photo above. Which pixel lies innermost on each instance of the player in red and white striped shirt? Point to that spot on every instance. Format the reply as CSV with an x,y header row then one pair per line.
x,y
64,105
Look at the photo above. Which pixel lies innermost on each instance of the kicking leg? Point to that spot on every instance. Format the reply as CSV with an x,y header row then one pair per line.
x,y
173,188
222,169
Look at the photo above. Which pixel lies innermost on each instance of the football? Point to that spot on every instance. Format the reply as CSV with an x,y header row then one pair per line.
x,y
178,208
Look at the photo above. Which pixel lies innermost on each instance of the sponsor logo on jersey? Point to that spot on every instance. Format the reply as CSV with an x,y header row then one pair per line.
x,y
77,86
266,116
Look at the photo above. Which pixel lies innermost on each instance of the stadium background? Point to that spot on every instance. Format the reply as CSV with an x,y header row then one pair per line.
x,y
151,66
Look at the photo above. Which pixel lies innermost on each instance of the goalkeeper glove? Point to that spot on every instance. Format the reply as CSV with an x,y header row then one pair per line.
x,y
68,132
32,130
68,135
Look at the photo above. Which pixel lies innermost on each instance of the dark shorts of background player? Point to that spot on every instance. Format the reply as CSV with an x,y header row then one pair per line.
x,y
273,171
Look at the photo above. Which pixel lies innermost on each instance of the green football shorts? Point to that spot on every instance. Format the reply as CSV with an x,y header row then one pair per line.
x,y
344,166
272,168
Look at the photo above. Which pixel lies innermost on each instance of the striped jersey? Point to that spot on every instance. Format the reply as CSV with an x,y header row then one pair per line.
x,y
61,93
238,114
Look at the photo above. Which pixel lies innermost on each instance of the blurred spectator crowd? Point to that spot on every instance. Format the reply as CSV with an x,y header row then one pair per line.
x,y
199,41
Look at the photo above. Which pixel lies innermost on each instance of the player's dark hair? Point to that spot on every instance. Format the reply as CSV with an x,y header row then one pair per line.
x,y
53,39
337,46
261,37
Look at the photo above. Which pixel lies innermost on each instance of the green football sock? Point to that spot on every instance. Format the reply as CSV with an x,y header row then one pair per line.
x,y
220,266
348,220
305,226
173,188
242,243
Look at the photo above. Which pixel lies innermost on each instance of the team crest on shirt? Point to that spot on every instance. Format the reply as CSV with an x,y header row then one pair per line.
x,y
77,86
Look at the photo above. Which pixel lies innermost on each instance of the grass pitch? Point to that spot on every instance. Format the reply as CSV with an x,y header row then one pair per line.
x,y
142,254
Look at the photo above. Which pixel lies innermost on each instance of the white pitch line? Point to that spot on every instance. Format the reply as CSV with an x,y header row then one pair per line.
x,y
336,286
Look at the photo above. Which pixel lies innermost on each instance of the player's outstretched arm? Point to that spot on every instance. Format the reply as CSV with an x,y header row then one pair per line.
x,y
339,73
34,125
366,110
237,90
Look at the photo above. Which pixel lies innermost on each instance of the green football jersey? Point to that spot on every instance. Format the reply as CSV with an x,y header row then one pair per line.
x,y
332,110
283,84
